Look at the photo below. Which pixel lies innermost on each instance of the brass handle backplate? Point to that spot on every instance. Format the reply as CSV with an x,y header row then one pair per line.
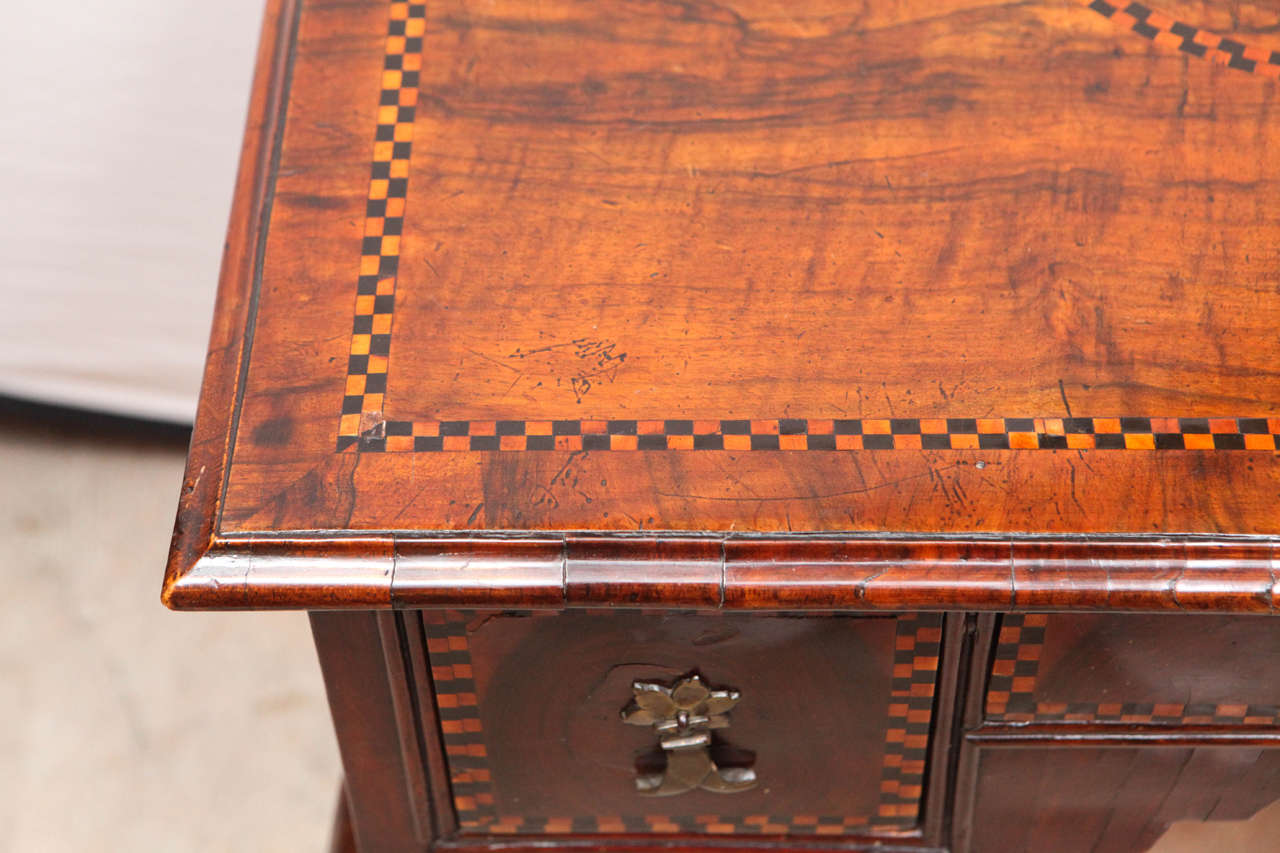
x,y
683,716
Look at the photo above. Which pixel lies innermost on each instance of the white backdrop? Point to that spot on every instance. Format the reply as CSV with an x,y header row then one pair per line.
x,y
120,127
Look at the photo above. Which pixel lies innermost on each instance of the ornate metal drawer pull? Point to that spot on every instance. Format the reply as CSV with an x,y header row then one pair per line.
x,y
683,716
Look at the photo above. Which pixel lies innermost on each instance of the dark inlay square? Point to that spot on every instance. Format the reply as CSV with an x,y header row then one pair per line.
x,y
1228,441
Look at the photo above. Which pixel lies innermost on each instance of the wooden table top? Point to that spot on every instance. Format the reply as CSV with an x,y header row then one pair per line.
x,y
723,304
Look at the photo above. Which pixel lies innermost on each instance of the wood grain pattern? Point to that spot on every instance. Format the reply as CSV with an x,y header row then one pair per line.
x,y
732,572
383,807
535,745
635,214
1136,669
1111,800
203,486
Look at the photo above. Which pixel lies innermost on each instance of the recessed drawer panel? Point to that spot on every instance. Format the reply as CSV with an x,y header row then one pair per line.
x,y
1135,669
1112,800
587,723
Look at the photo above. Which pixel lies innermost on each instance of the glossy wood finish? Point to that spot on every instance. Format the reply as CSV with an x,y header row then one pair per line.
x,y
798,325
732,572
1201,670
341,839
1065,777
821,696
381,759
1115,800
638,215
195,530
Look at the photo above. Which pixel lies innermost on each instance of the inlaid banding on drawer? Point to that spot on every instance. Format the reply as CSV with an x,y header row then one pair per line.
x,y
1102,668
916,650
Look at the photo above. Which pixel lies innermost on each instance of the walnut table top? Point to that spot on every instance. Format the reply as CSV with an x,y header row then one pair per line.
x,y
926,304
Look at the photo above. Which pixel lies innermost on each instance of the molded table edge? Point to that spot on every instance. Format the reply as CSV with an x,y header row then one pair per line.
x,y
819,572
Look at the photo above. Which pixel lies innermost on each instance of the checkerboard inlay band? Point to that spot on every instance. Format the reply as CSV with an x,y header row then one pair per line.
x,y
829,434
917,646
1165,31
363,426
384,222
1011,691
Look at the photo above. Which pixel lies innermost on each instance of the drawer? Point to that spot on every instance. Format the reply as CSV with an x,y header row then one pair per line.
x,y
1109,800
543,732
1176,670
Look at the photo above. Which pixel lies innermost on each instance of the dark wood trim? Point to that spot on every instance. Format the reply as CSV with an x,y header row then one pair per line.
x,y
964,784
363,705
404,702
440,797
986,626
1088,735
732,572
948,739
673,844
340,838
935,806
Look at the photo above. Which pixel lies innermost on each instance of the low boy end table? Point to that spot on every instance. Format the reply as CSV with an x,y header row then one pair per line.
x,y
742,425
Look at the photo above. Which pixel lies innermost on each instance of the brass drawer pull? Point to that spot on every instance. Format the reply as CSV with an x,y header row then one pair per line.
x,y
683,716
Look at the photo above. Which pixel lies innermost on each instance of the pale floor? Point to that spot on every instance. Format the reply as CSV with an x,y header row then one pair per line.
x,y
123,726
126,727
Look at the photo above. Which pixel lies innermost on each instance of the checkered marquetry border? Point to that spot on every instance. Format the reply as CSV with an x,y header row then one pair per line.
x,y
363,426
918,642
1165,31
459,714
1010,692
917,647
384,220
829,434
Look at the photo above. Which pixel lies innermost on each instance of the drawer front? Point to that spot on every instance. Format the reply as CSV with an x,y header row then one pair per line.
x,y
1136,669
832,717
1113,800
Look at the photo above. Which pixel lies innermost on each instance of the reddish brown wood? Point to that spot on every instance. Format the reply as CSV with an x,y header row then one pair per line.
x,y
682,844
341,839
948,727
655,227
816,698
363,704
412,727
753,320
438,799
671,572
733,572
1195,576
1032,734
1119,800
1200,670
493,572
199,505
